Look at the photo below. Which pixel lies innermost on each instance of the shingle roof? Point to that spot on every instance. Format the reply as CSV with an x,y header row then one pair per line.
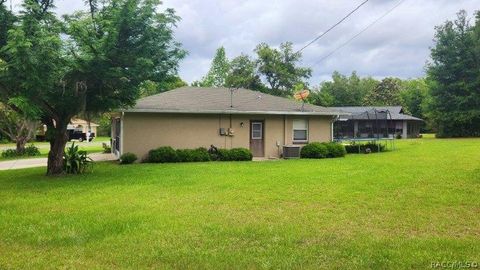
x,y
364,112
217,100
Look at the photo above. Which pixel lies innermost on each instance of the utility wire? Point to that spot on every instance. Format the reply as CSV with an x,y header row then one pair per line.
x,y
333,26
359,33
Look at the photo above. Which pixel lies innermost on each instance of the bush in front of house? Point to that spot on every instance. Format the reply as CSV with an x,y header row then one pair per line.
x,y
192,155
335,150
162,154
128,158
166,154
323,150
314,150
234,154
364,148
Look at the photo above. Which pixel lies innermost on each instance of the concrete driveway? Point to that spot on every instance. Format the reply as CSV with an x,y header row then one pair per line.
x,y
42,162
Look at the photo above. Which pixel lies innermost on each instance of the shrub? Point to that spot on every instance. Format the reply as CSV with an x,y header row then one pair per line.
x,y
240,154
9,153
222,155
106,148
192,155
234,154
76,161
168,154
355,148
162,155
335,150
314,150
128,158
31,151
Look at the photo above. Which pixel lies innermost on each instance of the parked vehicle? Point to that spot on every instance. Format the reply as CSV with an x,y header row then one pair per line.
x,y
75,134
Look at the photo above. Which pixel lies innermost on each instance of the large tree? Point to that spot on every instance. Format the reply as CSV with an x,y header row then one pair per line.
x,y
243,73
343,90
280,67
149,88
454,73
217,74
89,63
414,96
386,93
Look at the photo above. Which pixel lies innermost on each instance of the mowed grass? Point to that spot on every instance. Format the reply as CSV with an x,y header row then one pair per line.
x,y
402,209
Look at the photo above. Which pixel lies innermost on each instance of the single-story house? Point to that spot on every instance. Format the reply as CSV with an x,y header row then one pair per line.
x,y
375,122
191,117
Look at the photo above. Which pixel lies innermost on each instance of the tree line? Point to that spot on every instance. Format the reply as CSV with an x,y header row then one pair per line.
x,y
447,98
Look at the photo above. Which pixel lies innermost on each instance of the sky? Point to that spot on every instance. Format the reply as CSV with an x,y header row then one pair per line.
x,y
397,45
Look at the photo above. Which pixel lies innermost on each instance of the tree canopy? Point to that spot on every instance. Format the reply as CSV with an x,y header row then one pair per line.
x,y
386,93
454,73
343,90
219,68
89,62
280,67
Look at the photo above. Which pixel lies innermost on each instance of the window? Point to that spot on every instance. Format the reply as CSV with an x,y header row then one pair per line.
x,y
300,130
257,130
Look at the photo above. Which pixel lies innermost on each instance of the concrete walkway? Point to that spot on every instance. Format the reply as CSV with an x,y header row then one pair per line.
x,y
41,162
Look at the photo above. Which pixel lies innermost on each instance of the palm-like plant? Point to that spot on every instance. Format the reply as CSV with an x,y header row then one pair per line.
x,y
76,161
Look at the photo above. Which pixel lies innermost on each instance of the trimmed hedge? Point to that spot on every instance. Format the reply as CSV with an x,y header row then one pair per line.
x,y
234,154
128,158
322,150
166,154
162,155
364,148
314,150
192,155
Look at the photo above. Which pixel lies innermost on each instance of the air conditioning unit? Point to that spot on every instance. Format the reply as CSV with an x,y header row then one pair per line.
x,y
291,151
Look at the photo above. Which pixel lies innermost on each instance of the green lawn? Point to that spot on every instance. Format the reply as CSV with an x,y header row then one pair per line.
x,y
402,209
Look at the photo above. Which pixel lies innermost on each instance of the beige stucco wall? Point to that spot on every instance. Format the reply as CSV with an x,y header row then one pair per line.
x,y
145,131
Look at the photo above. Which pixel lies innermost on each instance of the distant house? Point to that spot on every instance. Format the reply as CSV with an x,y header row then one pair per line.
x,y
76,125
83,125
191,117
376,122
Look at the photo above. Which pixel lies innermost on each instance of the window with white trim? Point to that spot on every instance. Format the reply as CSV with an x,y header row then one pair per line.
x,y
300,130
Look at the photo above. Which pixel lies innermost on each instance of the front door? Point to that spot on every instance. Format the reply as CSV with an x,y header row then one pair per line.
x,y
256,138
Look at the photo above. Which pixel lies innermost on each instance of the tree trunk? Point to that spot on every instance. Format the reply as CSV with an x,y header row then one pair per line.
x,y
57,148
20,144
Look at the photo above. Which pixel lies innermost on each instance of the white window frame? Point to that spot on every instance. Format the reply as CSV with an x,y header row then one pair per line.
x,y
261,130
306,130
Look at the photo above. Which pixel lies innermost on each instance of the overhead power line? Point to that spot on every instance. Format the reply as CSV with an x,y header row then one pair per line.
x,y
359,33
333,26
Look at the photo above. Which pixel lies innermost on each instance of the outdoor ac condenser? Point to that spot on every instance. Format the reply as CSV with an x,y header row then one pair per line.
x,y
291,151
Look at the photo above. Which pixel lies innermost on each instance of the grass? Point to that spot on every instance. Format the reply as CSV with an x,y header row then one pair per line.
x,y
402,209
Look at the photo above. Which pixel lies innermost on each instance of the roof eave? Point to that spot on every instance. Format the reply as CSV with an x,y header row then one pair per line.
x,y
233,112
